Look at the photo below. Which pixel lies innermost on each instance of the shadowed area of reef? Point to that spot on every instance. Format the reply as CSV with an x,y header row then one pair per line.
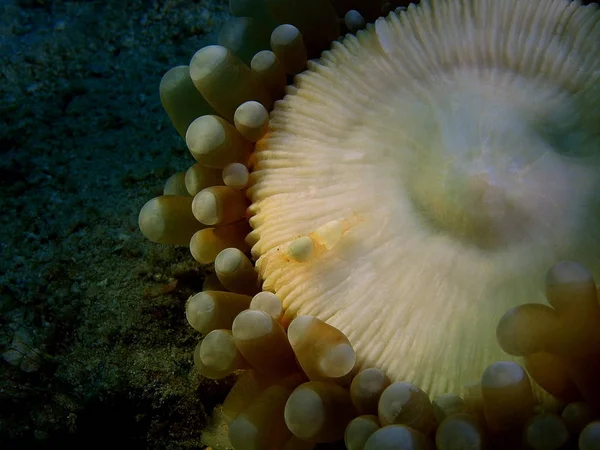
x,y
94,342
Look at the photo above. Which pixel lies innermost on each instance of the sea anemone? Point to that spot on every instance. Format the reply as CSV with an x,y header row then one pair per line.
x,y
415,184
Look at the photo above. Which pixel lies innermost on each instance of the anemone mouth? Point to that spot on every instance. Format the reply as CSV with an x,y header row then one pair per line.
x,y
432,155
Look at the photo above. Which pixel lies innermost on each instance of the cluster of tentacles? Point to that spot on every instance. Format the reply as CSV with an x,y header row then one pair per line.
x,y
312,326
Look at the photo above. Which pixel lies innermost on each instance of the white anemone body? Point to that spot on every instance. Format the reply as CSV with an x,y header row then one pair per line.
x,y
465,157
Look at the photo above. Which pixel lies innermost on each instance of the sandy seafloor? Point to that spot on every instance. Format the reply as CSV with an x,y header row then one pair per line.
x,y
94,343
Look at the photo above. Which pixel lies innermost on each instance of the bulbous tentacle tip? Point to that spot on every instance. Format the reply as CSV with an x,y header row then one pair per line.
x,y
219,355
211,310
393,437
545,431
236,272
251,119
214,70
446,405
323,351
181,100
589,439
263,342
250,384
405,404
571,291
288,45
175,185
354,21
460,431
366,388
508,400
236,175
359,430
319,411
526,329
269,303
261,424
199,177
576,416
561,342
168,219
219,205
215,143
206,244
